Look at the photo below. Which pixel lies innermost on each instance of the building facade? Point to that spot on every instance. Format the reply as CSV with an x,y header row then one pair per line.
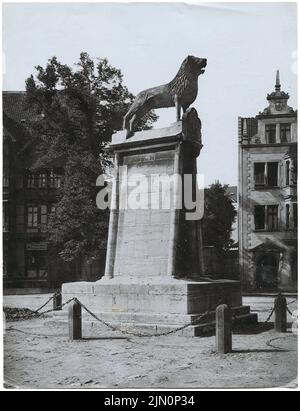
x,y
29,198
268,209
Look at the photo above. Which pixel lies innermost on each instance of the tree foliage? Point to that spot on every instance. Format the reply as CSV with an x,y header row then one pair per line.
x,y
219,217
79,108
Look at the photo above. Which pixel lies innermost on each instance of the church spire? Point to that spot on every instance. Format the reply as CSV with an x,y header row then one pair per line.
x,y
278,85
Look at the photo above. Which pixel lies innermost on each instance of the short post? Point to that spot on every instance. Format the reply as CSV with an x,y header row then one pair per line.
x,y
280,314
223,329
75,321
57,302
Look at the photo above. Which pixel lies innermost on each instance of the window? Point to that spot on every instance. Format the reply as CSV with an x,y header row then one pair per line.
x,y
266,174
5,178
52,209
259,218
288,172
259,173
37,217
37,180
295,171
271,133
55,179
20,218
30,180
42,180
32,216
272,174
285,133
272,218
287,216
295,212
44,217
5,219
266,218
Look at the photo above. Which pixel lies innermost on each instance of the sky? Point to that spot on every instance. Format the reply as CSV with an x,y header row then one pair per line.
x,y
245,43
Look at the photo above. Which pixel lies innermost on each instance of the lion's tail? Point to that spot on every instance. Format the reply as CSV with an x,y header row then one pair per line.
x,y
139,101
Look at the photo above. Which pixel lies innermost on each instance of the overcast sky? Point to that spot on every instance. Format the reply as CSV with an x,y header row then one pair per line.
x,y
244,43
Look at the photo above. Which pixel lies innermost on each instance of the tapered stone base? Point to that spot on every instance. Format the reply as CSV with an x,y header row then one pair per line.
x,y
157,306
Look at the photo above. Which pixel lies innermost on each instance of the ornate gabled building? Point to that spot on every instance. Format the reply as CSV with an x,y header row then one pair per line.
x,y
268,209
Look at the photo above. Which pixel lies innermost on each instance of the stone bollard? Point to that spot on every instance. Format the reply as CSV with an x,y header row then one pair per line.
x,y
223,329
280,314
75,321
57,302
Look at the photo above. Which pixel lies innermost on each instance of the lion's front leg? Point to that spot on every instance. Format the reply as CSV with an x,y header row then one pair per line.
x,y
178,108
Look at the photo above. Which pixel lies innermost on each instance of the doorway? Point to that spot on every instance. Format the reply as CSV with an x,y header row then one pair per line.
x,y
267,272
36,265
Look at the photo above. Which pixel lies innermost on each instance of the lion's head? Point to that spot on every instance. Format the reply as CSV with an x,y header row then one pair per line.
x,y
195,64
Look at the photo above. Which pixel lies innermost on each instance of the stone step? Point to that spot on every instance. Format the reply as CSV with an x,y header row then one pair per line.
x,y
142,323
94,328
154,319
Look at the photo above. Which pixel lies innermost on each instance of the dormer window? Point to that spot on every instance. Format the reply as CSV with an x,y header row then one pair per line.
x,y
271,133
285,133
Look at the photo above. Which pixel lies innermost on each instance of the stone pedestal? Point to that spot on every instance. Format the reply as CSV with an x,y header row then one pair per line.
x,y
153,275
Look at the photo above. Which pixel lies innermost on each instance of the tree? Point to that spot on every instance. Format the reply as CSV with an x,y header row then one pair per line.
x,y
219,217
78,111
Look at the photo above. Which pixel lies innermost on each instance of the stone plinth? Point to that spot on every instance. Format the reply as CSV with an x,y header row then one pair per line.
x,y
156,240
158,305
154,277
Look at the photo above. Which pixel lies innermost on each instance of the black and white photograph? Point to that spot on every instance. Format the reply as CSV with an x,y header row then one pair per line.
x,y
149,199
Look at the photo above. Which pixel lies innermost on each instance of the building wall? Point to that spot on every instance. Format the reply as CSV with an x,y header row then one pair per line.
x,y
28,259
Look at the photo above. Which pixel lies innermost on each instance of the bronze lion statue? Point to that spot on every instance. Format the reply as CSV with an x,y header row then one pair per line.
x,y
181,92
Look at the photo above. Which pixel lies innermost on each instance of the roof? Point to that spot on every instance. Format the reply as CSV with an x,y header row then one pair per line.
x,y
13,104
16,114
15,107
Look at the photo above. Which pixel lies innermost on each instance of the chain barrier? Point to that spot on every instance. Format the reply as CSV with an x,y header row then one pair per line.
x,y
58,308
37,314
57,293
289,311
270,316
292,302
269,343
273,311
14,314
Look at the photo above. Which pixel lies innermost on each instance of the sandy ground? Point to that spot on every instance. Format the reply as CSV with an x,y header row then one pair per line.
x,y
39,355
